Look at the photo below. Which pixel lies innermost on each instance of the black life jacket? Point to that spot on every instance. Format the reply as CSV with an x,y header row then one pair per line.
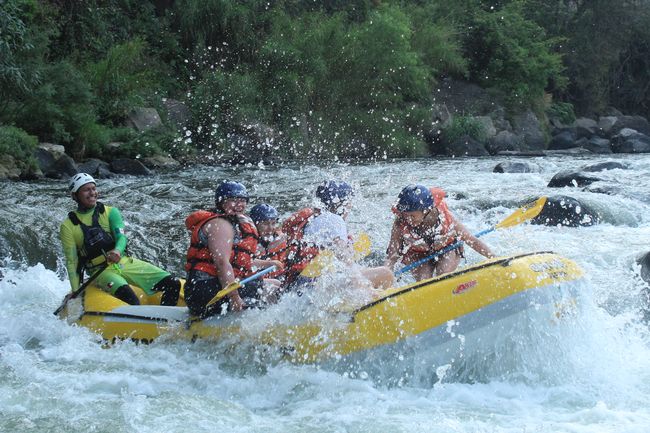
x,y
97,241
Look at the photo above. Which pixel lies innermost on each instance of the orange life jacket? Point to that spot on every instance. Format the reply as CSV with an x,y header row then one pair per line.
x,y
299,253
276,249
414,242
199,257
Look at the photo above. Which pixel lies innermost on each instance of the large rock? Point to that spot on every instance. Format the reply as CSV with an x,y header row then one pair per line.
x,y
585,127
630,141
96,168
603,166
571,178
8,167
528,126
563,140
504,141
466,146
566,211
638,123
143,119
54,163
597,145
515,167
160,161
606,124
129,166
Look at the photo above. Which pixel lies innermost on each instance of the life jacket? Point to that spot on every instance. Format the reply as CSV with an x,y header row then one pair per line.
x,y
199,257
96,241
414,241
299,253
275,249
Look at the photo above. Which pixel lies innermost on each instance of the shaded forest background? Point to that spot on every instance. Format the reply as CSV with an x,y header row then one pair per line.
x,y
340,77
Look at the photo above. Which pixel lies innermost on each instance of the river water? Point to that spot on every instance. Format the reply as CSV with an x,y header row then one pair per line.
x,y
594,376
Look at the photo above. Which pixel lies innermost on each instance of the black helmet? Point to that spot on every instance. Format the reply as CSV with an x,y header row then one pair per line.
x,y
263,212
334,193
414,198
230,189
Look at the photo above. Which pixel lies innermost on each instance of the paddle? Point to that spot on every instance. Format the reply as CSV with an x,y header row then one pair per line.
x,y
361,248
80,290
524,213
237,284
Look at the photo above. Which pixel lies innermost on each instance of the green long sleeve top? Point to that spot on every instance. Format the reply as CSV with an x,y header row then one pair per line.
x,y
72,238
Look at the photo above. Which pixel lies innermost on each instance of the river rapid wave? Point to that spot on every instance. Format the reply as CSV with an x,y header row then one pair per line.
x,y
589,374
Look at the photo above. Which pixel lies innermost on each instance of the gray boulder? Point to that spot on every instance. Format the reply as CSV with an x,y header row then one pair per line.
x,y
529,127
571,178
466,146
606,124
515,167
159,161
585,127
603,166
630,141
129,166
504,141
563,140
638,123
561,210
8,167
96,168
597,145
143,119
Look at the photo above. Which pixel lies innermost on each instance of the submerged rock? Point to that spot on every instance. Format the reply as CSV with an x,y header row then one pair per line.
x,y
515,167
566,211
644,262
571,178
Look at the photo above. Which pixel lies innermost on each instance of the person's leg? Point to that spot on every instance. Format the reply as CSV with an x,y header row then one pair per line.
x,y
145,275
381,277
171,288
112,281
125,293
425,270
200,291
447,262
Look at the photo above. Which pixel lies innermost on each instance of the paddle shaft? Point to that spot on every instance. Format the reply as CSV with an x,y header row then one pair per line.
x,y
441,252
237,284
83,287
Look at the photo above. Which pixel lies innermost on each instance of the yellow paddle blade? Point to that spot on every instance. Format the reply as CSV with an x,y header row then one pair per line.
x,y
223,292
524,213
321,263
362,246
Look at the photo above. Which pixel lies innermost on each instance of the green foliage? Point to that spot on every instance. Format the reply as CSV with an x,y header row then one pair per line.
x,y
148,143
563,111
350,78
20,145
460,126
514,55
60,109
122,80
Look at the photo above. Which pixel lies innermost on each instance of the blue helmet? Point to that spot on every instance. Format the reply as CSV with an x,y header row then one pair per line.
x,y
230,189
334,193
263,212
414,198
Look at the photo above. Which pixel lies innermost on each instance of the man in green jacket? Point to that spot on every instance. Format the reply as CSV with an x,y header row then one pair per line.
x,y
93,236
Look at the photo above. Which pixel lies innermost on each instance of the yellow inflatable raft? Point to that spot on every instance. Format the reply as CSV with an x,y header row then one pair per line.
x,y
471,299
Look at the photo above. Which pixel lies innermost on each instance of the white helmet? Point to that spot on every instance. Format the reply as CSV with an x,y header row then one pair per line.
x,y
79,180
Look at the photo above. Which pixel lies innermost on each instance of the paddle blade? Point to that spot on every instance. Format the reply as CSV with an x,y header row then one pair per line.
x,y
362,246
223,292
524,213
